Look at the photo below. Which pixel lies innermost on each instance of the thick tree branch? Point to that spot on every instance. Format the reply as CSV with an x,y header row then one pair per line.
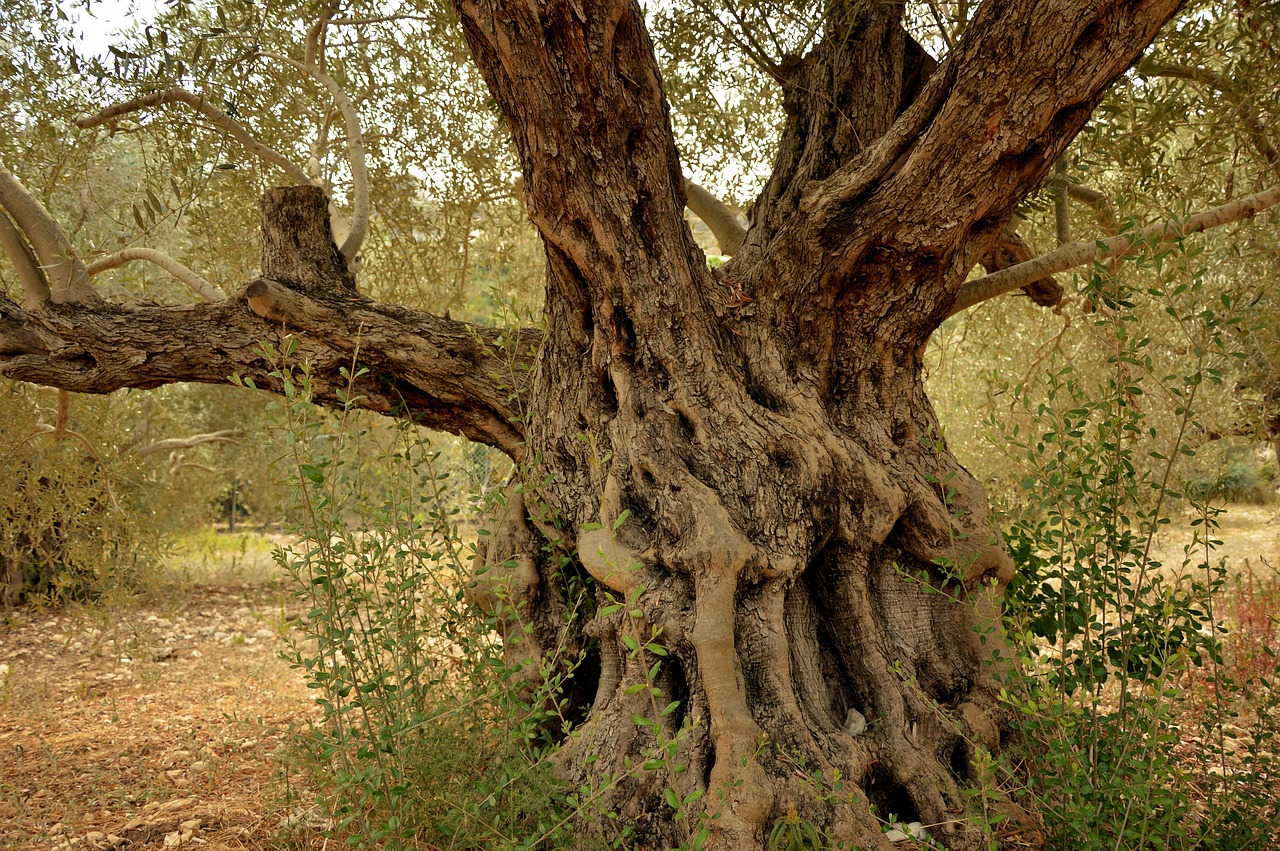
x,y
314,45
198,285
582,94
987,126
64,271
35,289
1079,253
442,374
215,116
841,102
722,221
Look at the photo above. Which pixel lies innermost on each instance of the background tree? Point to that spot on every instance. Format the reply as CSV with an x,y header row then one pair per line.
x,y
738,463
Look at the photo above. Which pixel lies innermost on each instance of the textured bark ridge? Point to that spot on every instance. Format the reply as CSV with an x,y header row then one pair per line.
x,y
447,375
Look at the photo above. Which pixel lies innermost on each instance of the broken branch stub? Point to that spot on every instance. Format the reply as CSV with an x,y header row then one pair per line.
x,y
298,249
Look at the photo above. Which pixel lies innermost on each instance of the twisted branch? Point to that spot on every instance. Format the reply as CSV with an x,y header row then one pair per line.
x,y
171,444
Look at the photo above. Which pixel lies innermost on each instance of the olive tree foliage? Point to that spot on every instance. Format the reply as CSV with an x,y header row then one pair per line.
x,y
735,492
174,186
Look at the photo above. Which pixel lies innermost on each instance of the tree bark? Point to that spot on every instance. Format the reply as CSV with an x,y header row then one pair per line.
x,y
447,375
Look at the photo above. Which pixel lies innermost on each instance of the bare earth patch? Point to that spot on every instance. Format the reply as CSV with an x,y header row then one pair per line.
x,y
1250,540
153,723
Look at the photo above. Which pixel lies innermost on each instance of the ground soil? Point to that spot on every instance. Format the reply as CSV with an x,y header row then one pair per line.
x,y
158,720
165,719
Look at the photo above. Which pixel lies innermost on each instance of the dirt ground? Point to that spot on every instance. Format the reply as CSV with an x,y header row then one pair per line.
x,y
160,721
163,720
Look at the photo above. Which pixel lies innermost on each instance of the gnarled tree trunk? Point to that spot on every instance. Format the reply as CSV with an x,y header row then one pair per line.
x,y
745,458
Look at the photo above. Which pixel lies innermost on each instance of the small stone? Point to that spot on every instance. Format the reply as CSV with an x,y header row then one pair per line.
x,y
191,825
855,723
174,773
200,765
95,836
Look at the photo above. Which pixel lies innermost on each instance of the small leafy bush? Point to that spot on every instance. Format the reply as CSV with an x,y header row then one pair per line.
x,y
1243,479
1133,684
426,737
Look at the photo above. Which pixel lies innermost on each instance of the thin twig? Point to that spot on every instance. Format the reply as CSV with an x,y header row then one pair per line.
x,y
213,114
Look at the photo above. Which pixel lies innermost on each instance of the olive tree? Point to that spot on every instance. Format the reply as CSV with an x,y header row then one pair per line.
x,y
739,461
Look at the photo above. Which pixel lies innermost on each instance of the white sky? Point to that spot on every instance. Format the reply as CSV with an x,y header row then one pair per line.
x,y
100,26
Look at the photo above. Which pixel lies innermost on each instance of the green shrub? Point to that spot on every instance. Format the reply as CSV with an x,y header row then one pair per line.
x,y
1242,479
427,734
1126,703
